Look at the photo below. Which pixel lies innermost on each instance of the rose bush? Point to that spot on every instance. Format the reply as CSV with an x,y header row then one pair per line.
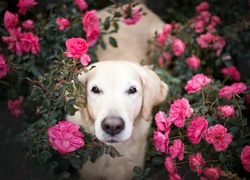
x,y
204,123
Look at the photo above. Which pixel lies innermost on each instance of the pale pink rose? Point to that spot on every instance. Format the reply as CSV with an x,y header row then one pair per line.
x,y
232,72
82,5
197,129
179,110
167,28
229,91
227,111
202,7
30,42
177,149
205,39
215,20
92,36
193,62
76,47
161,38
212,173
62,23
199,26
28,24
218,44
65,137
85,59
211,28
196,163
174,176
164,59
15,108
90,20
162,122
197,82
10,20
131,15
14,44
245,158
24,5
178,47
3,67
218,136
205,16
169,165
161,141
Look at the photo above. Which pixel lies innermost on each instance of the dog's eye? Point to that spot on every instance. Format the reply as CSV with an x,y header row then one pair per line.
x,y
95,90
132,90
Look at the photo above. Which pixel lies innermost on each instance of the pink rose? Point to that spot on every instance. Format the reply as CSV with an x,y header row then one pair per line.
x,y
218,44
212,173
205,16
199,26
218,136
215,20
28,24
162,122
90,20
232,72
205,39
131,15
85,59
76,47
3,67
202,7
174,176
92,36
197,82
15,108
24,5
30,42
196,129
177,150
164,59
179,110
229,91
82,5
161,141
178,47
193,62
245,158
10,20
227,111
169,165
65,137
196,163
62,23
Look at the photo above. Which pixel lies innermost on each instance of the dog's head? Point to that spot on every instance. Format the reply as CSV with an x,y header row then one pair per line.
x,y
118,92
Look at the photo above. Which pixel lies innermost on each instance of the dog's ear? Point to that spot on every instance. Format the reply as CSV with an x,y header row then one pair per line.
x,y
154,91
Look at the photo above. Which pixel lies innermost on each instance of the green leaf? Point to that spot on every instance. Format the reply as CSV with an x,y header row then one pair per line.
x,y
113,42
157,160
222,157
107,23
76,163
137,170
64,175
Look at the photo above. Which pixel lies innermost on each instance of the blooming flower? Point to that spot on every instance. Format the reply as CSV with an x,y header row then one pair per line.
x,y
199,26
161,141
205,16
62,23
28,24
162,123
229,91
212,173
15,108
227,111
202,7
178,47
177,150
10,20
65,137
205,39
179,110
85,59
161,37
197,82
169,165
82,5
215,20
165,57
174,176
76,47
92,36
218,136
196,162
218,44
30,42
245,158
3,67
24,5
131,15
232,72
193,62
196,129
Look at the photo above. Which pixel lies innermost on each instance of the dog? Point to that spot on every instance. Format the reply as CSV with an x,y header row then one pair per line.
x,y
120,97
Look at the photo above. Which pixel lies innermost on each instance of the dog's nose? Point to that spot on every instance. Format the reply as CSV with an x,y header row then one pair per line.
x,y
113,125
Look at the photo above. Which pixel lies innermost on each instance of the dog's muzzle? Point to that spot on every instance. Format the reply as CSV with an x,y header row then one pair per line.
x,y
113,125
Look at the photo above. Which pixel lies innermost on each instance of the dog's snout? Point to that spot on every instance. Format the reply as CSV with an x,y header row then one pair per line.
x,y
113,125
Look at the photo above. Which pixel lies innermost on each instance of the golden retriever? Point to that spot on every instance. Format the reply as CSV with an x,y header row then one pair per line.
x,y
120,97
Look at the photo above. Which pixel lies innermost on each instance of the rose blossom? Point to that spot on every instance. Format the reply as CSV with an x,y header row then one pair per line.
x,y
232,72
24,5
85,59
169,165
227,111
229,91
28,24
3,67
218,136
15,108
196,83
174,176
196,162
196,129
90,20
76,47
161,37
131,15
30,42
179,110
62,23
92,36
245,158
162,122
178,47
215,20
218,44
10,20
164,59
161,141
212,173
177,150
65,137
82,5
204,40
199,26
205,16
202,7
193,62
